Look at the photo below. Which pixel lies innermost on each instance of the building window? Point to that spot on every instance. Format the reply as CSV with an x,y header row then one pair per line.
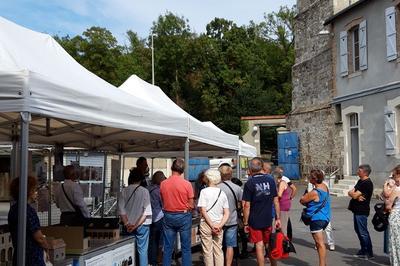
x,y
338,113
353,48
354,120
356,49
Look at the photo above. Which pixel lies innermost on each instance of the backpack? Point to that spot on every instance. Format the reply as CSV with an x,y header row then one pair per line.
x,y
280,246
381,218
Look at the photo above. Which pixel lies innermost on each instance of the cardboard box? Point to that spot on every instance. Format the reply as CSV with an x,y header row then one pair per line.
x,y
73,237
99,237
56,249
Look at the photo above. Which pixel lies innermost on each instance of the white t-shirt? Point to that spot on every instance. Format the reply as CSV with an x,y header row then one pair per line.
x,y
286,179
208,196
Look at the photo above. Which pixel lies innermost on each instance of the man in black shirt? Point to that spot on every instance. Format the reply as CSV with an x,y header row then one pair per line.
x,y
359,204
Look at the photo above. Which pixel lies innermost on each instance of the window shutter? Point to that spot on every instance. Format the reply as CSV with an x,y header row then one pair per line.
x,y
391,49
390,131
362,33
344,65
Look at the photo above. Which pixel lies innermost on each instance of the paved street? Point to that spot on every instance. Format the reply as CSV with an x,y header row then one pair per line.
x,y
346,240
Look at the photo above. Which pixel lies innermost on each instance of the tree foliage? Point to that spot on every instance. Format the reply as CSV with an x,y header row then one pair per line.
x,y
222,74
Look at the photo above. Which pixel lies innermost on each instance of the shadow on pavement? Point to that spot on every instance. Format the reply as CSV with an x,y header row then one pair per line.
x,y
380,260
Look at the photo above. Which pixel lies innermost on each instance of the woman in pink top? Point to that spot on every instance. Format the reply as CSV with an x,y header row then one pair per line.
x,y
285,202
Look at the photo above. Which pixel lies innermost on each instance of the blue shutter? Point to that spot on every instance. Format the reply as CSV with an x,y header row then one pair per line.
x,y
391,47
390,131
344,65
362,33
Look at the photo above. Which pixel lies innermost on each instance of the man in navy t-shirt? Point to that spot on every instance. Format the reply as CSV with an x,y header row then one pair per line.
x,y
258,196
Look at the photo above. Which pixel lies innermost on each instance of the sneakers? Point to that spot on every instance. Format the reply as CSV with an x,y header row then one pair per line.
x,y
369,257
361,255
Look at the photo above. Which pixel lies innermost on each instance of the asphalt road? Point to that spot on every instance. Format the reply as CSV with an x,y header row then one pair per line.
x,y
346,240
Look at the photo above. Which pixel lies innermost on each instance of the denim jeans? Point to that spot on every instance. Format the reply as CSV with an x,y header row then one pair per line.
x,y
361,228
156,230
141,235
177,223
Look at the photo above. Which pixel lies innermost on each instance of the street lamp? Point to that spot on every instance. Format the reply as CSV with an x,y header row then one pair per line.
x,y
152,58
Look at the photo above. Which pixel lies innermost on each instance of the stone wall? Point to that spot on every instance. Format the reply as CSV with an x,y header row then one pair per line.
x,y
312,115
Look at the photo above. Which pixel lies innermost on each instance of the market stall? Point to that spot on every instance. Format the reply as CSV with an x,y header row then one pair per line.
x,y
46,97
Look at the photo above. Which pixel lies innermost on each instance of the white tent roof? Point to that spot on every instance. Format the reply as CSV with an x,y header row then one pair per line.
x,y
245,149
155,97
71,105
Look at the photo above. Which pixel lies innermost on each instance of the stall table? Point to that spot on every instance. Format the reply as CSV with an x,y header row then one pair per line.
x,y
117,252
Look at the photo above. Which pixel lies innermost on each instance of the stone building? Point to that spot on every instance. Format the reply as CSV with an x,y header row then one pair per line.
x,y
366,77
346,85
313,116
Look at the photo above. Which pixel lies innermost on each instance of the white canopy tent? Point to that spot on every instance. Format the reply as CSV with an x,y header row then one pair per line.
x,y
46,97
205,132
245,150
154,97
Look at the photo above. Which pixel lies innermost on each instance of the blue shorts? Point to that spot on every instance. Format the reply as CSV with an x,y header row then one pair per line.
x,y
318,226
230,236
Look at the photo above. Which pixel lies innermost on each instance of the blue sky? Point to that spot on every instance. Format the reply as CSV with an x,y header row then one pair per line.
x,y
72,17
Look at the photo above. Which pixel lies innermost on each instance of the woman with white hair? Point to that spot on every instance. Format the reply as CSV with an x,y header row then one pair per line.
x,y
214,209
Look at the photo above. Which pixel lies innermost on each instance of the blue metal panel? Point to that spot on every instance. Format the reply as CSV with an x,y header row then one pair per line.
x,y
196,165
291,170
288,154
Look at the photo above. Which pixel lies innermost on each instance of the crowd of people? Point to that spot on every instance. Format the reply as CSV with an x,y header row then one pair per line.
x,y
230,212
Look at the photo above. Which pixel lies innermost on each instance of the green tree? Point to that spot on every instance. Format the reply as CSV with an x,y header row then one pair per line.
x,y
171,37
220,75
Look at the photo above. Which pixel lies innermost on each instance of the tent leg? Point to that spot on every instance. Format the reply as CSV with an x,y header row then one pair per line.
x,y
238,165
152,168
187,142
23,187
104,185
50,188
123,172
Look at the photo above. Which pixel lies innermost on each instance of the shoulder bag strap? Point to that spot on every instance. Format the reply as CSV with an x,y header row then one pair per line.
x,y
215,201
66,196
234,195
152,190
126,203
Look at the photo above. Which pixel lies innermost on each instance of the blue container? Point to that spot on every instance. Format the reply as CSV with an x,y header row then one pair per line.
x,y
196,165
288,154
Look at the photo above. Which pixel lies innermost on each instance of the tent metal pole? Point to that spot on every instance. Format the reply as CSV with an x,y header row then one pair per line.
x,y
187,142
50,188
237,165
104,185
123,171
152,167
23,188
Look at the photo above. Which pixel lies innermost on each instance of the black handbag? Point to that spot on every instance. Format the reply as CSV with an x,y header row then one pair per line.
x,y
79,217
380,220
306,218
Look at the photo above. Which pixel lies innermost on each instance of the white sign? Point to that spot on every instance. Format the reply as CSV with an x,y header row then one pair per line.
x,y
104,259
124,255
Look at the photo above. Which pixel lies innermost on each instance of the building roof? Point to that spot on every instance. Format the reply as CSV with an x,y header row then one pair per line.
x,y
344,11
263,117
